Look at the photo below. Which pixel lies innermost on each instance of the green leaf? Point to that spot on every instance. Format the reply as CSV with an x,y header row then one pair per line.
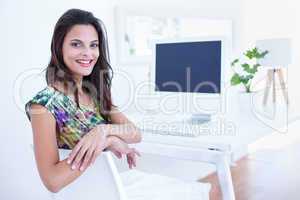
x,y
235,79
255,53
234,62
251,53
252,70
250,76
255,67
248,54
263,54
245,79
246,67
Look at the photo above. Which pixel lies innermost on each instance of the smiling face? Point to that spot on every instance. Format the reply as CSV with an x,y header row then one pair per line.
x,y
80,50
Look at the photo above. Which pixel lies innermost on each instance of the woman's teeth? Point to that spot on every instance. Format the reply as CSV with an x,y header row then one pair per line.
x,y
84,61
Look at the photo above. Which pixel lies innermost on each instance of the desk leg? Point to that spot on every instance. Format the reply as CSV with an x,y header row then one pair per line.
x,y
225,179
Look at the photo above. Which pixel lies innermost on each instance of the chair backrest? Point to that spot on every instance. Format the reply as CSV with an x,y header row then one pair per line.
x,y
99,181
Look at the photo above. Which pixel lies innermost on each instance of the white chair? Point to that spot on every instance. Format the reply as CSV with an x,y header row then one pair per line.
x,y
217,158
102,180
99,181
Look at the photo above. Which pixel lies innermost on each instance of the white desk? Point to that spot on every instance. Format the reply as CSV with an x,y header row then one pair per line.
x,y
229,142
230,136
231,132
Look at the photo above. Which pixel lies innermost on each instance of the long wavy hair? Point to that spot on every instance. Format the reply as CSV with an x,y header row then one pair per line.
x,y
98,83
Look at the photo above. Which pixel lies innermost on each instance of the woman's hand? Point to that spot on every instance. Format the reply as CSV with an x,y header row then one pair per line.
x,y
119,147
88,148
131,157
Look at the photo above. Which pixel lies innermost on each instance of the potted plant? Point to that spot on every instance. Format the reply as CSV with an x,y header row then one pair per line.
x,y
244,71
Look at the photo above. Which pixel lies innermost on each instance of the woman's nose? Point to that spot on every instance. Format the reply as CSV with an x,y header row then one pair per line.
x,y
86,52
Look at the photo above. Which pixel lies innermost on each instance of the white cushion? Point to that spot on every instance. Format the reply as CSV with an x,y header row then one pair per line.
x,y
144,186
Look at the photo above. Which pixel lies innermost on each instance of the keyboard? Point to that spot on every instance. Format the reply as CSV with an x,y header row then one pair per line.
x,y
172,125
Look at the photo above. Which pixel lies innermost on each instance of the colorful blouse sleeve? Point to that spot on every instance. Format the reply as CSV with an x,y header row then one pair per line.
x,y
42,98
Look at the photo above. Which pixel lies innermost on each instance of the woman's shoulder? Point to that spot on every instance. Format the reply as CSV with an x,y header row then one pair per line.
x,y
43,97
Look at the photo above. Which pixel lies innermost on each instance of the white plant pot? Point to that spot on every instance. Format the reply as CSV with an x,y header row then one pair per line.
x,y
246,103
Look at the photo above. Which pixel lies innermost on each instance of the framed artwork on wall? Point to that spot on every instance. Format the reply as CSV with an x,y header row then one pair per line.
x,y
136,31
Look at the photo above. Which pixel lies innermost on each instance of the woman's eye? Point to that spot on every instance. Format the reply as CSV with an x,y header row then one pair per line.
x,y
75,44
94,45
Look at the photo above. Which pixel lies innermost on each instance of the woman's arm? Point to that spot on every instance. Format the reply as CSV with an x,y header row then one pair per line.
x,y
122,127
55,174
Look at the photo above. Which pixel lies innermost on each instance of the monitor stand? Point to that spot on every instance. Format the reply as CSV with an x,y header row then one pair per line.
x,y
198,118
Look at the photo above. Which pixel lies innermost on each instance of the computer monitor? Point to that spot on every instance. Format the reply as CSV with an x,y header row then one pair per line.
x,y
189,69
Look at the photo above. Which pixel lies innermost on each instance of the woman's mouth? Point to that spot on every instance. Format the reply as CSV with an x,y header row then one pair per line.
x,y
84,62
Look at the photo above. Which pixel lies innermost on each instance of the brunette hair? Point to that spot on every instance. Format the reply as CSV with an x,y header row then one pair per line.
x,y
98,83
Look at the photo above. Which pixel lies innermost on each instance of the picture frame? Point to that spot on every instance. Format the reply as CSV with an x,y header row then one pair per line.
x,y
136,29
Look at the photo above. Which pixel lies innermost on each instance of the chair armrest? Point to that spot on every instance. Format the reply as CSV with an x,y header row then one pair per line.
x,y
218,158
108,160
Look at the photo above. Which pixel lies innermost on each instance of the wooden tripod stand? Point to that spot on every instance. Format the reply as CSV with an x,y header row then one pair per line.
x,y
271,82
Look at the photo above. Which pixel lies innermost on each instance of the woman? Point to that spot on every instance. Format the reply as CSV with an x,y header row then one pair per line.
x,y
75,110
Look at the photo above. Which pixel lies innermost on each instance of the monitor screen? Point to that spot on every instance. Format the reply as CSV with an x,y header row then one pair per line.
x,y
193,67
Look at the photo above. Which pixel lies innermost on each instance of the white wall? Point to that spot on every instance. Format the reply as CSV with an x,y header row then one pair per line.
x,y
213,9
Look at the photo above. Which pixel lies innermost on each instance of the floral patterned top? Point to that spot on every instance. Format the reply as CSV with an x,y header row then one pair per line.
x,y
71,122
